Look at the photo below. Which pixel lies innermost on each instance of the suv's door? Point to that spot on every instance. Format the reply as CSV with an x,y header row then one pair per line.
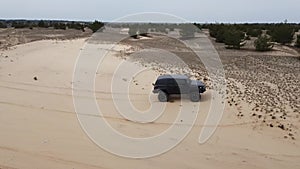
x,y
172,86
183,86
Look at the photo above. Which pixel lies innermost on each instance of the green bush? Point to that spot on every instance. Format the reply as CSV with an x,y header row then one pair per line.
x,y
220,35
263,43
62,26
218,32
213,30
233,39
19,25
282,33
95,26
161,28
254,32
3,25
77,26
43,24
171,29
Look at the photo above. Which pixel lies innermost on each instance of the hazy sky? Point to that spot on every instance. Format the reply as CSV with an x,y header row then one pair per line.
x,y
192,10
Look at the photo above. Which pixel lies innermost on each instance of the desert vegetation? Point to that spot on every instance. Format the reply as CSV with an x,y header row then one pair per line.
x,y
298,41
95,26
63,25
234,35
263,43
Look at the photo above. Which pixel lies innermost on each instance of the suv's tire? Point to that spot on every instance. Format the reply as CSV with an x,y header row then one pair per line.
x,y
162,96
195,96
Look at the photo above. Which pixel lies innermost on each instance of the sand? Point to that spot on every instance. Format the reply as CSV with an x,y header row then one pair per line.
x,y
10,37
39,126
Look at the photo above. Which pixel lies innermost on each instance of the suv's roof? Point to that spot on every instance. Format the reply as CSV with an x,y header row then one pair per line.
x,y
172,77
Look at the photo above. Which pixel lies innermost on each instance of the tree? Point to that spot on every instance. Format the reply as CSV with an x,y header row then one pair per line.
x,y
218,32
282,33
58,25
42,24
95,26
254,32
143,30
20,24
233,39
74,25
171,29
133,31
298,41
161,28
2,25
187,30
263,43
213,30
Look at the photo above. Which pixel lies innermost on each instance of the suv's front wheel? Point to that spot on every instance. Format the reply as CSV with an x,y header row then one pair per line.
x,y
195,96
162,96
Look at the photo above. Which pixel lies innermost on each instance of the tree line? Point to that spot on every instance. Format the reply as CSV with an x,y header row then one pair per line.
x,y
63,25
142,29
235,35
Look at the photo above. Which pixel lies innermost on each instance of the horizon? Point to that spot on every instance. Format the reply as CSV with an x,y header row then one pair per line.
x,y
68,20
213,11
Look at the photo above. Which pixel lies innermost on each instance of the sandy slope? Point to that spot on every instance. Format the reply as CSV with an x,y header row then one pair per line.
x,y
39,128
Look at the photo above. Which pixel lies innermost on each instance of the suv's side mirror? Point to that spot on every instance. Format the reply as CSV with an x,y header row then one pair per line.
x,y
153,84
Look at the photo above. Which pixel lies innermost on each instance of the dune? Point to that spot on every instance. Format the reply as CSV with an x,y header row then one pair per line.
x,y
39,127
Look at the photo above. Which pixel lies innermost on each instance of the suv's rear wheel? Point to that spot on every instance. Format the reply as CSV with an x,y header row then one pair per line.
x,y
195,96
162,96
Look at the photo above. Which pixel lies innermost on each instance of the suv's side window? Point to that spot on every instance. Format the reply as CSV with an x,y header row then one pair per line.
x,y
171,82
181,81
161,82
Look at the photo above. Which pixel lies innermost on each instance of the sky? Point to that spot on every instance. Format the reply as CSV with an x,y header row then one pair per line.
x,y
203,11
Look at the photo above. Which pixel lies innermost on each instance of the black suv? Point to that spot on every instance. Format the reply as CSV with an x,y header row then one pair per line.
x,y
166,85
